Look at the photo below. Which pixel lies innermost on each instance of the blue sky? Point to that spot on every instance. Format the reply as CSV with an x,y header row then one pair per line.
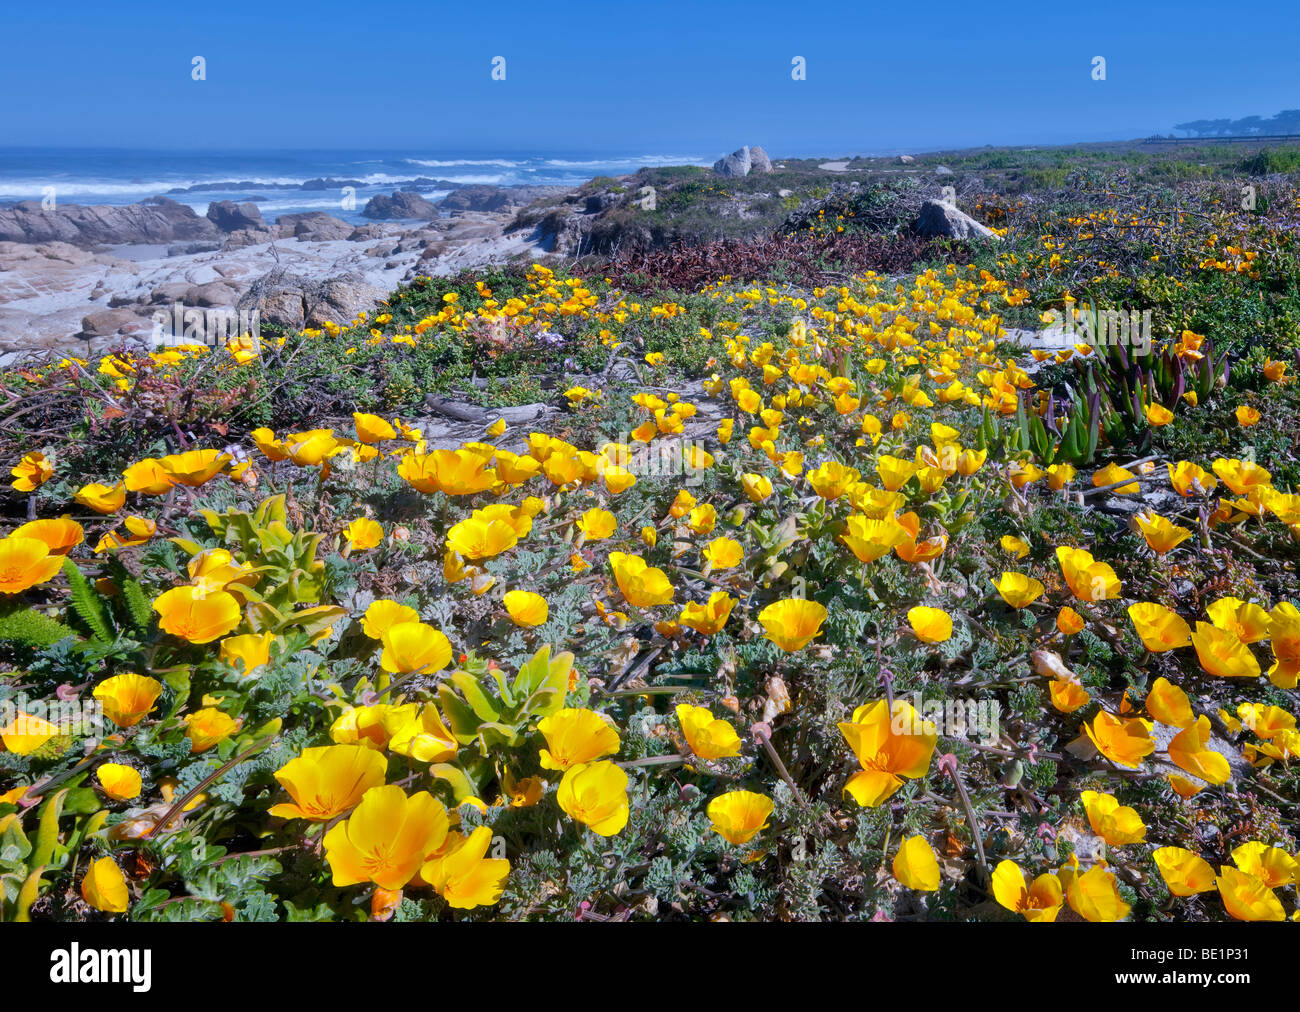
x,y
666,78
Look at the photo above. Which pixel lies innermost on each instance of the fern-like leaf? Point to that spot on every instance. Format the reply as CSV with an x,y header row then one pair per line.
x,y
85,601
137,605
30,628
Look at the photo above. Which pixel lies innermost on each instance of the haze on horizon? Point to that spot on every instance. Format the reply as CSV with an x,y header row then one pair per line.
x,y
668,77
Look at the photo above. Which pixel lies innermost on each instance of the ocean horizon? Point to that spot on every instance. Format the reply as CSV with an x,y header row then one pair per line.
x,y
274,179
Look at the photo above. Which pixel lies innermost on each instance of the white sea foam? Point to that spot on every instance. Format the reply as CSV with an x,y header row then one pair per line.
x,y
434,163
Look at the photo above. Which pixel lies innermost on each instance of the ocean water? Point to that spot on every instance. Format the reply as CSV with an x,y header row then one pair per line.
x,y
274,179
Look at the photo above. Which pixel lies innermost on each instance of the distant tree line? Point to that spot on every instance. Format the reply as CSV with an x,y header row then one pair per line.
x,y
1285,122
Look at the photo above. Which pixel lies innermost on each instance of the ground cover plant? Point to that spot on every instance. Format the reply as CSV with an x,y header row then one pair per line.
x,y
846,595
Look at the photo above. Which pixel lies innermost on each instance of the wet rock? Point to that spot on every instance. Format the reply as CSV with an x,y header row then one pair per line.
x,y
402,204
231,217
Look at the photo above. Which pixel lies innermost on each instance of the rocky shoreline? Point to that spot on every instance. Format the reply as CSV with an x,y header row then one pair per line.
x,y
85,278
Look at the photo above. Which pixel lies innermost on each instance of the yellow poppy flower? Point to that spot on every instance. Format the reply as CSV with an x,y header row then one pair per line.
x,y
327,781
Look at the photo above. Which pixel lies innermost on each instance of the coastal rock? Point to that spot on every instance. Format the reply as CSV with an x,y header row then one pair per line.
x,y
290,300
157,220
110,322
185,249
365,233
313,226
758,160
231,217
402,204
734,165
495,198
166,294
905,159
940,219
242,237
215,294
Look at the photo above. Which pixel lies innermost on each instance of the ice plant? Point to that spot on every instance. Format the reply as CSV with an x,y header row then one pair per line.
x,y
738,816
890,745
792,623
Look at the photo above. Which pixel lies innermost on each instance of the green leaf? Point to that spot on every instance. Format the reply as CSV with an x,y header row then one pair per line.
x,y
85,601
474,695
